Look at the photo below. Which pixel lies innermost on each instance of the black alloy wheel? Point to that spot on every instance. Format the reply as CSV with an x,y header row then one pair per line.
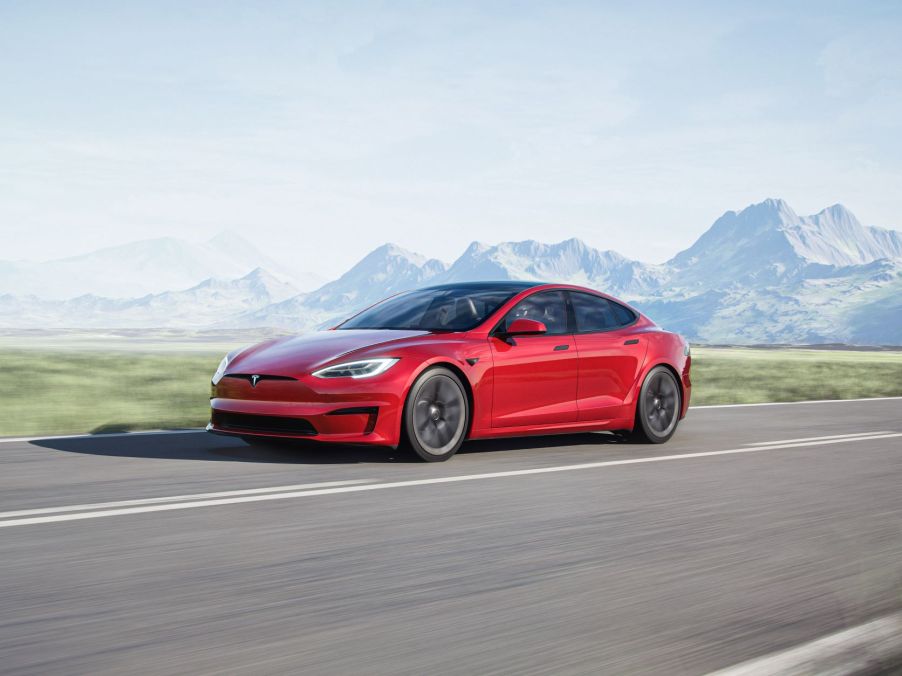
x,y
659,406
436,415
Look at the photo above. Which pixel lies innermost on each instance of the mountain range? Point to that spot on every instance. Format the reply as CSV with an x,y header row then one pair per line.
x,y
760,275
144,267
201,305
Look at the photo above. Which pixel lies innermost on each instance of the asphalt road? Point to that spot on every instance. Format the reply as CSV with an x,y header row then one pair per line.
x,y
642,559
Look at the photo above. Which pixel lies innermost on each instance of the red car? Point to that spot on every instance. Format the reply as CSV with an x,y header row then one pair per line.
x,y
433,367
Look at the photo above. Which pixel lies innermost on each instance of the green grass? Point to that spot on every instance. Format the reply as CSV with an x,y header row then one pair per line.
x,y
49,392
747,375
62,391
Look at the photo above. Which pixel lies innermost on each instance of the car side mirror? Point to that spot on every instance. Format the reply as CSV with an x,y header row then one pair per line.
x,y
526,327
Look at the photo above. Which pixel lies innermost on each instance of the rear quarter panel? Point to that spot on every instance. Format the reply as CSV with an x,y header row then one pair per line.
x,y
667,349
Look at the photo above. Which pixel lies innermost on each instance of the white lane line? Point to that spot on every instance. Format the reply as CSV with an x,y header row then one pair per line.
x,y
111,435
416,482
867,648
858,435
793,403
183,498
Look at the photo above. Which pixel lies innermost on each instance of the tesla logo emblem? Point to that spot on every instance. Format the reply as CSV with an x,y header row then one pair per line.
x,y
254,380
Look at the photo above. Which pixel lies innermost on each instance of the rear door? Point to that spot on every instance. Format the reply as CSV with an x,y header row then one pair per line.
x,y
610,355
535,376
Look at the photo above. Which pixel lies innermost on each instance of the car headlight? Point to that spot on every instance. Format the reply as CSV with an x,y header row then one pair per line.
x,y
221,369
365,368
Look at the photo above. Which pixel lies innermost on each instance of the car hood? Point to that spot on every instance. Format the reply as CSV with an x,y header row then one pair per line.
x,y
299,355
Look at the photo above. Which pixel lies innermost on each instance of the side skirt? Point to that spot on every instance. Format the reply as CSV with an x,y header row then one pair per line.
x,y
556,428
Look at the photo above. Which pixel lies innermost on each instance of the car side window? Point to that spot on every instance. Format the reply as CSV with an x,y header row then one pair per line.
x,y
594,313
548,307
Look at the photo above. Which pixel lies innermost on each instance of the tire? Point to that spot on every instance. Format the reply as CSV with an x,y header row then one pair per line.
x,y
436,415
658,408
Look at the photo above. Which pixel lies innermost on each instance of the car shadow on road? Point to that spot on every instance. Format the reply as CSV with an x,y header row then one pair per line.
x,y
205,447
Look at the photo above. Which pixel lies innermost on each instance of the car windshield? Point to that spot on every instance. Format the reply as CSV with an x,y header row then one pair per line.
x,y
441,308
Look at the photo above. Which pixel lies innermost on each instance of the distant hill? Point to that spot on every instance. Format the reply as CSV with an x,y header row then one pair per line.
x,y
201,305
762,274
143,267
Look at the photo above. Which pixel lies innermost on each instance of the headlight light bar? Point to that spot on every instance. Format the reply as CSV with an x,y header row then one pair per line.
x,y
365,368
221,369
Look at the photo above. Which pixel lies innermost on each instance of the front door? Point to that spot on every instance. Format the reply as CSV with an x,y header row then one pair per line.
x,y
535,377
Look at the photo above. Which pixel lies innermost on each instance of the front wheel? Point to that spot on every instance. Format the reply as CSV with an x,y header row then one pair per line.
x,y
436,415
659,406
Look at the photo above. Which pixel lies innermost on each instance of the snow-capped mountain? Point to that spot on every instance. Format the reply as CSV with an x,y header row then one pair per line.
x,y
571,260
144,267
760,275
383,272
835,237
386,270
769,243
765,274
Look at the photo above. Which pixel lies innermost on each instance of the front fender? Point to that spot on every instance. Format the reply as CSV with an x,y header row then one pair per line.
x,y
473,363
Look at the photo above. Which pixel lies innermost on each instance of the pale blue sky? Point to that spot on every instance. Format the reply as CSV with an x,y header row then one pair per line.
x,y
321,130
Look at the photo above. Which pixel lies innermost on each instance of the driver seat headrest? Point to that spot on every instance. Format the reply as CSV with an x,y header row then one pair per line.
x,y
465,308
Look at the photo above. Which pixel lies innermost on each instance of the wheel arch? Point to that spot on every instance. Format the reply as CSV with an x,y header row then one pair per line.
x,y
676,376
648,369
679,381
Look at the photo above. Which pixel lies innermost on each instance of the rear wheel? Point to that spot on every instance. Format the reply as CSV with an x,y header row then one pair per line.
x,y
436,415
659,406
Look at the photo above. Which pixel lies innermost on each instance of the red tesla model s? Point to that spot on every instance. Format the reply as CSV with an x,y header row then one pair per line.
x,y
433,367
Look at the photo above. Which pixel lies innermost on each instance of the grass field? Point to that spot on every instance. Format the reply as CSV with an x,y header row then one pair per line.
x,y
65,392
52,390
751,375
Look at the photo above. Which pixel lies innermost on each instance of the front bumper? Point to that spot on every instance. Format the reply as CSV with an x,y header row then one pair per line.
x,y
308,408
